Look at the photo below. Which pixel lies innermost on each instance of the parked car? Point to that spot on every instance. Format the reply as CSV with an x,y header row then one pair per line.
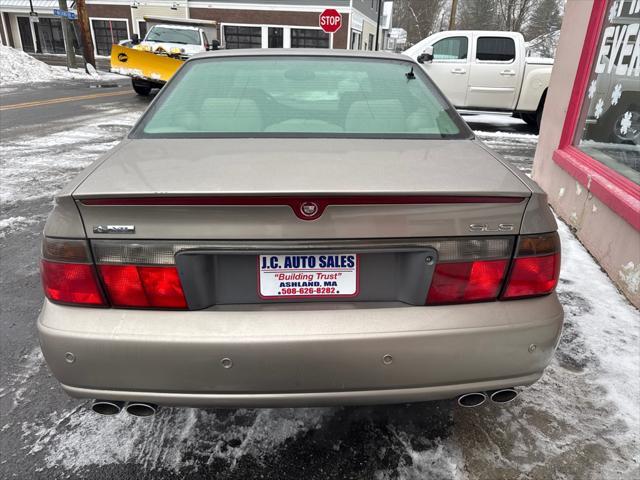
x,y
293,228
487,70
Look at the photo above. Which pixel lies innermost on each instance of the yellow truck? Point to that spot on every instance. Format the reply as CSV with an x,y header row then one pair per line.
x,y
151,62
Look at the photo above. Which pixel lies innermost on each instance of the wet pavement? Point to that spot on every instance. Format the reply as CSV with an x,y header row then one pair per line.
x,y
580,421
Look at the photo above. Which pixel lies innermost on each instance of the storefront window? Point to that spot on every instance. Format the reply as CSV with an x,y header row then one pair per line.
x,y
51,37
142,27
26,37
307,38
609,128
107,33
356,40
242,37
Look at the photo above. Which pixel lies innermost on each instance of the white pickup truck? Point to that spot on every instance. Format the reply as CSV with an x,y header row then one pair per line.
x,y
486,70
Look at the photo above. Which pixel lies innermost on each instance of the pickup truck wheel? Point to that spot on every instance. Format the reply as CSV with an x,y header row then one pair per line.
x,y
530,118
141,89
533,119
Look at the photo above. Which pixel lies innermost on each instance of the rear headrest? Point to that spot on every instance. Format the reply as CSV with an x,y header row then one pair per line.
x,y
376,116
230,115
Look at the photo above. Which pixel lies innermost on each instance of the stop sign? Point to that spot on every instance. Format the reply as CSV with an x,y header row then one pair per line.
x,y
330,20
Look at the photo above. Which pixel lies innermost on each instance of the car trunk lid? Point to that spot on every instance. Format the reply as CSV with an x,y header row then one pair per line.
x,y
258,188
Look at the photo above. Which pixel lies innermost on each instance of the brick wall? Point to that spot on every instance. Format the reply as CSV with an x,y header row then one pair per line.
x,y
260,17
111,11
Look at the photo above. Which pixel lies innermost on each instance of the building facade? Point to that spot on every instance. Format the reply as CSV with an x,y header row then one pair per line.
x,y
241,24
588,155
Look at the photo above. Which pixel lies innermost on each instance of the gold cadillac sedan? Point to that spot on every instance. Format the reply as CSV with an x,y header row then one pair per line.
x,y
297,228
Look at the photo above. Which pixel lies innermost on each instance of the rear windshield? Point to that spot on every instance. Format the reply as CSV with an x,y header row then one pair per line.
x,y
301,96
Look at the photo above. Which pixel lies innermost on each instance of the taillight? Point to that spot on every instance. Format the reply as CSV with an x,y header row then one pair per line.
x,y
472,270
68,275
146,287
536,267
139,275
467,282
478,270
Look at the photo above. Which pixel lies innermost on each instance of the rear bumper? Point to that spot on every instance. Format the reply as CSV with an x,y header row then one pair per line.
x,y
299,355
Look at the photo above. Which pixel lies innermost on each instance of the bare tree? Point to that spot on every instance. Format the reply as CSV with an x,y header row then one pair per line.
x,y
545,19
514,14
418,17
478,15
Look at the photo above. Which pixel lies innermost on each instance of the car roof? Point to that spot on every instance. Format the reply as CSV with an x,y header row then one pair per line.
x,y
301,52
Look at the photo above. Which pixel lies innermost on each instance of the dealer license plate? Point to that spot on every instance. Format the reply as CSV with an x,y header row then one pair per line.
x,y
308,276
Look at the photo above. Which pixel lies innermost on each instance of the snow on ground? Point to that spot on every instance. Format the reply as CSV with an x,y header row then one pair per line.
x,y
517,148
17,223
509,136
37,166
17,67
582,419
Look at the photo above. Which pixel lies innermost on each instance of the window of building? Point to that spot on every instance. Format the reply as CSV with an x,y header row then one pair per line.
x,y
276,37
452,48
142,28
371,41
26,38
242,37
356,40
309,38
609,125
107,33
496,49
51,38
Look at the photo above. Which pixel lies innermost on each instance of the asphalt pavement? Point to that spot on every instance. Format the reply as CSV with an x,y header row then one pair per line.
x,y
45,107
47,138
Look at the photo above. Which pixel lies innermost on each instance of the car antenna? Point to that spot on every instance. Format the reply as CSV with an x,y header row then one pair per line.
x,y
410,75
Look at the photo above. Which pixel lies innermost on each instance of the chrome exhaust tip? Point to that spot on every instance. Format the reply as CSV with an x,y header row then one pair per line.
x,y
107,407
505,395
140,409
469,400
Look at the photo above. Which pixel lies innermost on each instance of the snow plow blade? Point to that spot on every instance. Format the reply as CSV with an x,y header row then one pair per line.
x,y
144,65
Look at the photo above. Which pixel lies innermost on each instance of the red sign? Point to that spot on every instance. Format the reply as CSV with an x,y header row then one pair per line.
x,y
330,20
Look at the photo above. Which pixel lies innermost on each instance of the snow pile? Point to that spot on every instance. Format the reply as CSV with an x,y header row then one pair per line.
x,y
18,67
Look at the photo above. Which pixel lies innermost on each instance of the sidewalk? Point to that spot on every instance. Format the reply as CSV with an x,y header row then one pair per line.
x,y
102,63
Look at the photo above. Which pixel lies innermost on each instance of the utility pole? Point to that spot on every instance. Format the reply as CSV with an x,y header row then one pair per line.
x,y
33,18
378,23
67,35
452,18
85,33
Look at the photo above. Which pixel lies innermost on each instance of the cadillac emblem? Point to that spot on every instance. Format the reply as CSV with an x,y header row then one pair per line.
x,y
309,209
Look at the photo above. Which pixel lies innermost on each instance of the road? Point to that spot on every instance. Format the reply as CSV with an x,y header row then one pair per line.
x,y
568,425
